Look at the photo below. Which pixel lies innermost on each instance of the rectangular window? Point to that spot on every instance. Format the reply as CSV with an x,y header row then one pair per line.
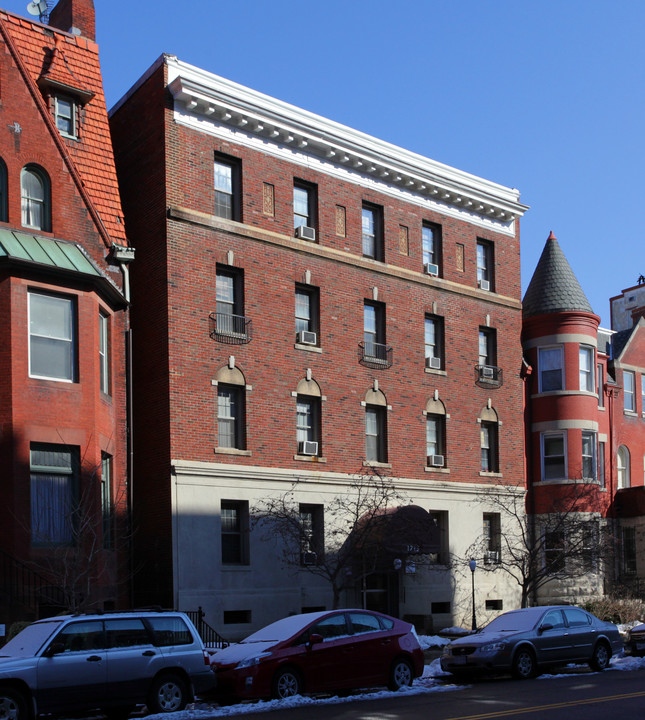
x,y
586,368
628,391
434,342
235,532
307,314
312,541
54,471
65,115
554,551
589,455
487,347
440,557
431,248
107,503
104,353
492,536
629,551
227,188
489,447
485,265
601,383
375,434
372,216
229,295
308,425
550,364
435,440
601,464
374,329
52,337
304,204
554,457
230,416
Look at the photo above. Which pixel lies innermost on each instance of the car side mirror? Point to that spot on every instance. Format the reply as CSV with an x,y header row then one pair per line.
x,y
545,627
314,639
55,648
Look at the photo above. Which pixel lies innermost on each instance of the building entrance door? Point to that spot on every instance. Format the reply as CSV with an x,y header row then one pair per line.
x,y
381,593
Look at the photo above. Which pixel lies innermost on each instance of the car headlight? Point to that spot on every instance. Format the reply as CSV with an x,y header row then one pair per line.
x,y
493,647
249,662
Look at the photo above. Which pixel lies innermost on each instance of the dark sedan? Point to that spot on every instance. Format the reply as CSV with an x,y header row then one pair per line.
x,y
525,642
319,652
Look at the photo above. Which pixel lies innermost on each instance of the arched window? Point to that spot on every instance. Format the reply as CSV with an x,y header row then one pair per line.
x,y
308,417
3,192
231,409
489,440
35,193
375,426
622,467
435,413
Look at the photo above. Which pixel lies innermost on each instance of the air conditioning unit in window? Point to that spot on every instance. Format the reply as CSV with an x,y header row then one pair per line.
x,y
305,337
306,233
309,558
491,557
487,372
483,284
431,269
434,363
308,448
436,461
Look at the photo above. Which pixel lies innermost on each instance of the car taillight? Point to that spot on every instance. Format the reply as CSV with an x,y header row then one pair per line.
x,y
207,658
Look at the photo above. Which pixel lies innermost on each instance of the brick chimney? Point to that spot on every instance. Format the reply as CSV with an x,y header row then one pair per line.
x,y
74,16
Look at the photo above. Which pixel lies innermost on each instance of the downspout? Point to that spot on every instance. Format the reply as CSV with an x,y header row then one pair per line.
x,y
526,374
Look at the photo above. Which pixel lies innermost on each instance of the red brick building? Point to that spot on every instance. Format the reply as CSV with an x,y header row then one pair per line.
x,y
63,311
309,303
585,431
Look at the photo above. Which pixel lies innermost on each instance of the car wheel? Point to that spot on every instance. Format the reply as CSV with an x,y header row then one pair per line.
x,y
286,683
524,665
12,705
401,674
600,658
168,693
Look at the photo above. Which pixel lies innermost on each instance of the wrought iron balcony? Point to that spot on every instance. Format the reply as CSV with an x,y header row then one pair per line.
x,y
375,355
488,376
230,329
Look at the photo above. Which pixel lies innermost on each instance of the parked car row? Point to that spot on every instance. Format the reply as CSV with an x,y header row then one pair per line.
x,y
115,661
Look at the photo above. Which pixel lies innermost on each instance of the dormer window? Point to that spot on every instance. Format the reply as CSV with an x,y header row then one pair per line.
x,y
65,115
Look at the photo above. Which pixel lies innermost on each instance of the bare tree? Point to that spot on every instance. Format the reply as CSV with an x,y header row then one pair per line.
x,y
536,549
354,541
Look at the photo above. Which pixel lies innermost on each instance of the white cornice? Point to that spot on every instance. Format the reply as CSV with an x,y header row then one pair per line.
x,y
224,103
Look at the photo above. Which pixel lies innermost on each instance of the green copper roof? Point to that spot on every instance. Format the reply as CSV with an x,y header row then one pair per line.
x,y
45,251
554,287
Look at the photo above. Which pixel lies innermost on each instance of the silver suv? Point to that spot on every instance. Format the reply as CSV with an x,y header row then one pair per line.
x,y
111,661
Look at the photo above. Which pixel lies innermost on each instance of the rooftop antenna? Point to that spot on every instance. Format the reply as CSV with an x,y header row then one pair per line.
x,y
40,8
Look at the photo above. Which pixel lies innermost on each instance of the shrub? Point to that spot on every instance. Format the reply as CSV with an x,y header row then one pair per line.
x,y
616,610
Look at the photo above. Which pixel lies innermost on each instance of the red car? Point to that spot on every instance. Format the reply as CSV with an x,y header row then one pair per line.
x,y
320,652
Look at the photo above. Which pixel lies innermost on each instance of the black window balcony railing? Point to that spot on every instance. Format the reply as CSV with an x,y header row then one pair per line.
x,y
375,355
230,329
489,376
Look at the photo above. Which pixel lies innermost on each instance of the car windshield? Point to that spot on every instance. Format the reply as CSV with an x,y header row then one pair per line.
x,y
29,641
281,629
512,622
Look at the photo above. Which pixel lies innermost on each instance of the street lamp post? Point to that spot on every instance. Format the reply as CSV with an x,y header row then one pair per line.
x,y
473,565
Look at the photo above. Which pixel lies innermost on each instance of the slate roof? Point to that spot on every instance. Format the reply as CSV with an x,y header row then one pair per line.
x,y
554,287
72,60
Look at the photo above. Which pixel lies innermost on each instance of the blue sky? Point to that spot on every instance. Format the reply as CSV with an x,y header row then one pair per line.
x,y
546,97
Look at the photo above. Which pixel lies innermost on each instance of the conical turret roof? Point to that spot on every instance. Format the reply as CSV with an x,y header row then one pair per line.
x,y
554,287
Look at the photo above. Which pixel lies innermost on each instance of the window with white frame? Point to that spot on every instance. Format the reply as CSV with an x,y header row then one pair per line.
x,y
434,342
600,381
586,366
65,115
551,368
231,400
487,346
492,536
441,520
107,502
52,337
436,440
35,190
601,464
554,456
304,204
312,540
375,434
622,468
307,314
54,471
485,265
308,424
588,455
372,229
235,532
226,173
489,442
628,391
431,248
104,353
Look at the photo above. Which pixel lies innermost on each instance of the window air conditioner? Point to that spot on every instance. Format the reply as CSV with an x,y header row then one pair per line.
x,y
491,557
306,233
308,448
434,363
431,269
305,337
487,372
436,460
484,284
308,558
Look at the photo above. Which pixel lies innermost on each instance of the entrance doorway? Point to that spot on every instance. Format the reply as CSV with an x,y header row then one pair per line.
x,y
381,593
